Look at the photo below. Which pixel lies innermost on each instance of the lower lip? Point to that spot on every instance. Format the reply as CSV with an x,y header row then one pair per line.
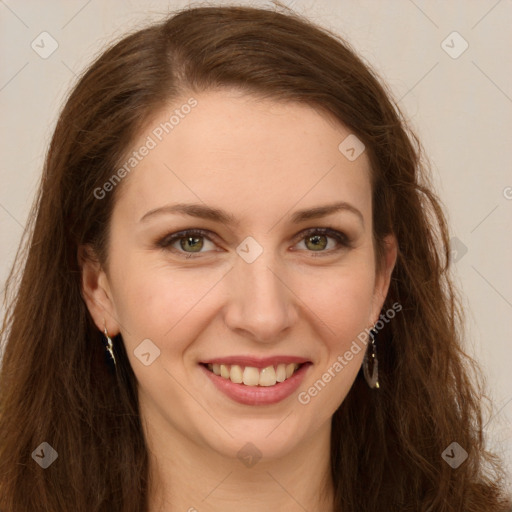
x,y
258,395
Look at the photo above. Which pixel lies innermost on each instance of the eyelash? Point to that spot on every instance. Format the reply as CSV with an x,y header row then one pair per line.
x,y
168,240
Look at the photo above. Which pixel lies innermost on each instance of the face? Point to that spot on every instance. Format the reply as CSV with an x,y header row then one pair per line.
x,y
268,273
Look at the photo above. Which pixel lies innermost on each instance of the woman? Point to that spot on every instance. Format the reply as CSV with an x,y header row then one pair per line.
x,y
236,290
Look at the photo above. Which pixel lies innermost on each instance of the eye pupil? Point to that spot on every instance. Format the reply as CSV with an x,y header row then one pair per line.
x,y
317,242
195,243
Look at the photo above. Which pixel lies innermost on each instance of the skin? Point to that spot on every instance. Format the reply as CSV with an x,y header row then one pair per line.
x,y
261,161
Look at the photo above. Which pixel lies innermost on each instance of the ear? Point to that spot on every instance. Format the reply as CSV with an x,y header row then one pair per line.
x,y
96,291
383,278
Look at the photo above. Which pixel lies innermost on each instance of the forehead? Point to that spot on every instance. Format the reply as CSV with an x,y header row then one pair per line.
x,y
244,154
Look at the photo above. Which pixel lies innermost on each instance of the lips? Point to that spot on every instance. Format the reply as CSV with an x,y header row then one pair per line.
x,y
255,371
256,381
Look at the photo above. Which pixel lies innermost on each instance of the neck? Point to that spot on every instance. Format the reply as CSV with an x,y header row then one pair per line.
x,y
187,477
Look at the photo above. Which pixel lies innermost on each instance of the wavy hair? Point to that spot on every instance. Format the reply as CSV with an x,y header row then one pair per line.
x,y
386,446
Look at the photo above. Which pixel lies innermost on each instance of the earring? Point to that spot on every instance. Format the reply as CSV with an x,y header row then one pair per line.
x,y
373,379
110,347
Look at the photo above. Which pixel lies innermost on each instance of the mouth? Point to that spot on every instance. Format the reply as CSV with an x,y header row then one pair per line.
x,y
253,376
266,382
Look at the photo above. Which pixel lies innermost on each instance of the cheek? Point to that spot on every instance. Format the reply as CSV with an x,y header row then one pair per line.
x,y
155,300
141,298
341,298
341,308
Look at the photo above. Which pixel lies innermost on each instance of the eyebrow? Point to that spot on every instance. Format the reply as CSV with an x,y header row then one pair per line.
x,y
215,214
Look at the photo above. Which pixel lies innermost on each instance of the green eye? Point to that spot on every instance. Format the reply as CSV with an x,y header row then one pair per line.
x,y
318,242
192,241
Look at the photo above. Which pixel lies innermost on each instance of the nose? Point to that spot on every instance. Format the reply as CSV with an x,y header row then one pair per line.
x,y
261,305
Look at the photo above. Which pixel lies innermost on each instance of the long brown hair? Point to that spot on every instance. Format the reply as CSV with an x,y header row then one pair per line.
x,y
54,384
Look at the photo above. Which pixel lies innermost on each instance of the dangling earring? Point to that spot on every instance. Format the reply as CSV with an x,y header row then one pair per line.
x,y
110,347
373,379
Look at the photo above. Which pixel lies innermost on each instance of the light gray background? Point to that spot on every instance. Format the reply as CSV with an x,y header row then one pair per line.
x,y
460,107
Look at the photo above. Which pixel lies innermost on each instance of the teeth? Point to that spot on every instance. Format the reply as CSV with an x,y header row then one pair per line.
x,y
224,371
251,376
236,374
290,368
268,376
281,372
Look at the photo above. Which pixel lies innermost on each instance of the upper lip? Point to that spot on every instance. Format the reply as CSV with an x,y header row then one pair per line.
x,y
256,362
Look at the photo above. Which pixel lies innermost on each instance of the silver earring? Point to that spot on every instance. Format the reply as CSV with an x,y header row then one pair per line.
x,y
373,379
110,346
